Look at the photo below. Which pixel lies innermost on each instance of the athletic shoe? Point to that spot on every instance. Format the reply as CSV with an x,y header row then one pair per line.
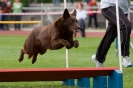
x,y
98,64
127,62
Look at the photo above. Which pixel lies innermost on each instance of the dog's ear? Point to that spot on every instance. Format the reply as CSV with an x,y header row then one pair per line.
x,y
74,13
66,14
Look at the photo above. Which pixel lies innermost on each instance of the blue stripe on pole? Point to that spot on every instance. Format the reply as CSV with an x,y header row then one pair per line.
x,y
116,45
83,82
68,82
100,82
115,80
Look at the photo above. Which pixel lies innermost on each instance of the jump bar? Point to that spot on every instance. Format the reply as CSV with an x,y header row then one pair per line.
x,y
51,74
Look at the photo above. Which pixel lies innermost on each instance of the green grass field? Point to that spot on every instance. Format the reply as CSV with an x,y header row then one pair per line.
x,y
78,57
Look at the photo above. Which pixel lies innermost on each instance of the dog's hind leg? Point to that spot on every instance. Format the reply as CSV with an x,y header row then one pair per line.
x,y
21,55
34,58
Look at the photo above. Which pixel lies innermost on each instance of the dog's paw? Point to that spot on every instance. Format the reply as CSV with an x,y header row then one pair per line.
x,y
76,43
68,46
20,59
21,55
33,61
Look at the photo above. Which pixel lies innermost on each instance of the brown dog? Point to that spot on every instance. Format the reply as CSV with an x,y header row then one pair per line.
x,y
54,36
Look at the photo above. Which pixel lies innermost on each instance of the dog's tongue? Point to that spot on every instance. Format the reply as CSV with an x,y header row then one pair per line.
x,y
74,31
77,30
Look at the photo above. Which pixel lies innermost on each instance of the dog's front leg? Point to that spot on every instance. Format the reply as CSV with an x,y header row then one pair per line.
x,y
76,43
59,43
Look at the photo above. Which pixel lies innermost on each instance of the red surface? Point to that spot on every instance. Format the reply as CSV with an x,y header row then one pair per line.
x,y
15,33
55,69
51,74
26,33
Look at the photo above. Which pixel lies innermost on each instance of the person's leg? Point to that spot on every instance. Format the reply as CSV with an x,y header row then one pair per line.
x,y
82,32
19,19
125,37
125,27
95,20
15,19
125,30
82,27
2,27
0,20
17,25
125,52
110,35
6,25
90,20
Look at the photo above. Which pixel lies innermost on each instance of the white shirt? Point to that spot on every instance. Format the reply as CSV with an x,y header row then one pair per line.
x,y
81,14
123,4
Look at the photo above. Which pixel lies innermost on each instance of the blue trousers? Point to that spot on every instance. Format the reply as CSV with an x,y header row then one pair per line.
x,y
17,18
82,27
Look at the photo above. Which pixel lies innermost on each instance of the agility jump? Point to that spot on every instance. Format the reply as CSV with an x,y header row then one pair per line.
x,y
67,75
115,79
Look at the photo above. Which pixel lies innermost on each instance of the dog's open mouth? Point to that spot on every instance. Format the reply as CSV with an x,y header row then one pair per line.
x,y
76,29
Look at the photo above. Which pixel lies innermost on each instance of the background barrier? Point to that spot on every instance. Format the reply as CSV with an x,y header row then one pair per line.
x,y
20,22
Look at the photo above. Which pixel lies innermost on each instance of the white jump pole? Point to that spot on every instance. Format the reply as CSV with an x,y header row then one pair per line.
x,y
41,14
65,4
129,19
67,58
118,32
66,49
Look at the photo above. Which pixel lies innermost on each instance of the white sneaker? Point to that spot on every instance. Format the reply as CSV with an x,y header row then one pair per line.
x,y
127,62
98,64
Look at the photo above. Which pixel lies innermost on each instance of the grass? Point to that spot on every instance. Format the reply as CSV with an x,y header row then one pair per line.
x,y
78,57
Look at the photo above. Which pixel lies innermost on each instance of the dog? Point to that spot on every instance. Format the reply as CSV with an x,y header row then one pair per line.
x,y
55,36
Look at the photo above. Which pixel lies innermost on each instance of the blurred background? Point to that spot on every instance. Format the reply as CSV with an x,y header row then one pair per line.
x,y
47,11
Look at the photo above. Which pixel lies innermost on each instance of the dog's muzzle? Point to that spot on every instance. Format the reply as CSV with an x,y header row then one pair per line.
x,y
78,28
